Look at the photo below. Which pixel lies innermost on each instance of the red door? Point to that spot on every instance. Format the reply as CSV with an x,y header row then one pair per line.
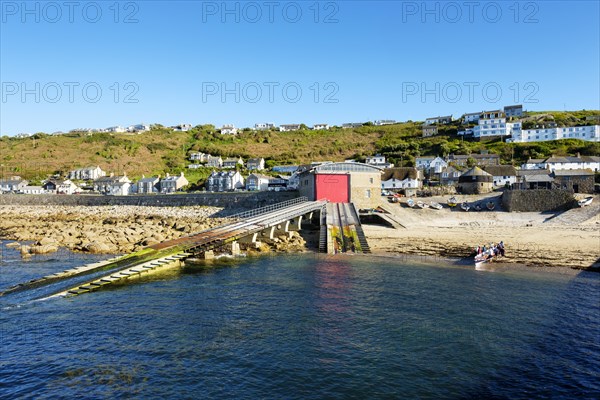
x,y
332,187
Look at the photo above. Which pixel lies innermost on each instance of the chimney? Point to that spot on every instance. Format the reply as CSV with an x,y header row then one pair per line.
x,y
181,173
112,174
168,175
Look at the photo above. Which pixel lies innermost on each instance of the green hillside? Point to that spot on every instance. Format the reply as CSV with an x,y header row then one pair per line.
x,y
162,150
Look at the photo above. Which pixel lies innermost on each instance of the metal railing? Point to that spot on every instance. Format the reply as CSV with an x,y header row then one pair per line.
x,y
270,208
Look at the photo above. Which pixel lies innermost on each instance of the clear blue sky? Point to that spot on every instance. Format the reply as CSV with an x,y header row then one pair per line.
x,y
370,60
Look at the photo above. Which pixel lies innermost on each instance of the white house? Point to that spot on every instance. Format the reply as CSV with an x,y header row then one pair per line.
x,y
147,185
437,165
289,127
173,183
113,185
201,157
577,162
229,129
32,190
264,126
320,127
67,187
87,174
224,181
379,161
256,164
400,178
425,163
502,175
590,133
233,162
13,184
533,163
257,182
470,118
214,162
438,120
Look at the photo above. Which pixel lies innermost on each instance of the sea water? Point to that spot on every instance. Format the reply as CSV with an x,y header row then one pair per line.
x,y
305,327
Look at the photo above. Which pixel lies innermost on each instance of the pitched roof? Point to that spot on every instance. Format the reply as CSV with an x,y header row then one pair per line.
x,y
399,173
476,171
573,172
500,170
571,159
535,175
149,180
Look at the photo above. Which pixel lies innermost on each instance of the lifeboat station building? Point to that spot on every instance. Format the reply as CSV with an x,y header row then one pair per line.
x,y
343,182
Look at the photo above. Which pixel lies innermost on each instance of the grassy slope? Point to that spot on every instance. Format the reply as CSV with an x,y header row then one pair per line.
x,y
161,151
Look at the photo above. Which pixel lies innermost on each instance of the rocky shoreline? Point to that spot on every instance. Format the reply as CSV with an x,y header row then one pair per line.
x,y
103,229
113,229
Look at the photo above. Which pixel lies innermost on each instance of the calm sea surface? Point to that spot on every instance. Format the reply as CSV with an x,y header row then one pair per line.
x,y
305,327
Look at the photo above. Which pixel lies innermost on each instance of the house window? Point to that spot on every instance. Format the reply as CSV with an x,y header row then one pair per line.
x,y
370,180
368,193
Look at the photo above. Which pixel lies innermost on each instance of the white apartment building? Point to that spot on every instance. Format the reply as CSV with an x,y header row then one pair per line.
x,y
590,133
493,123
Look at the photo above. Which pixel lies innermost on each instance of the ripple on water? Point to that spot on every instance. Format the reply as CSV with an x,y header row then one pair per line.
x,y
312,327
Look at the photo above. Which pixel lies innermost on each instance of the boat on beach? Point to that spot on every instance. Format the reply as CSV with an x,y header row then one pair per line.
x,y
435,205
477,207
452,202
410,203
465,206
422,205
585,202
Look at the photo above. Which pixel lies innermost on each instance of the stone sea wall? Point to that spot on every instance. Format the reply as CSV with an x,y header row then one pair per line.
x,y
537,200
237,200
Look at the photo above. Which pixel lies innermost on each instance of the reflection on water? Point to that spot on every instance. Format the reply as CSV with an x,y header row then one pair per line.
x,y
306,327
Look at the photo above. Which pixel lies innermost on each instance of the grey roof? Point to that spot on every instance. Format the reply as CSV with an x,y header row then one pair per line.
x,y
476,171
535,175
151,179
573,172
570,159
500,170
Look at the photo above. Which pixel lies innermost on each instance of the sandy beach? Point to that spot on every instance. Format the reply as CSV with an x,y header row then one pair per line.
x,y
568,239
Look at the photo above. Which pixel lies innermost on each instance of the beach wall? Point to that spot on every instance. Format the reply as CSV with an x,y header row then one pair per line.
x,y
236,200
537,200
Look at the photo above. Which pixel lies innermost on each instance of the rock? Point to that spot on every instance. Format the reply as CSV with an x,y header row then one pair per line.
x,y
13,244
46,241
25,250
43,249
96,247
